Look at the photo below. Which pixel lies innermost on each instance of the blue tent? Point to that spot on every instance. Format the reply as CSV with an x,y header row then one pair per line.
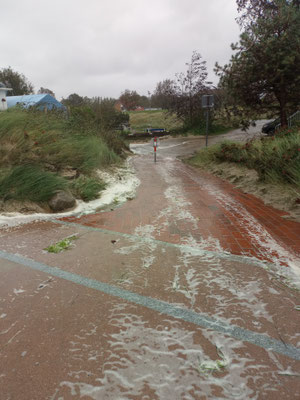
x,y
37,100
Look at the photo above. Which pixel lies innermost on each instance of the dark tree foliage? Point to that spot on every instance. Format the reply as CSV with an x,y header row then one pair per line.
x,y
252,10
16,81
264,73
107,117
130,99
45,90
73,100
144,101
163,94
96,112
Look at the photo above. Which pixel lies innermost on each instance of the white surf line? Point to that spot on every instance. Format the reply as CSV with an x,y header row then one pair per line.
x,y
201,319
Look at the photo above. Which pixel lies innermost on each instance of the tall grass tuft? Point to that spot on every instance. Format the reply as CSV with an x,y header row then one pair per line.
x,y
35,147
29,182
87,188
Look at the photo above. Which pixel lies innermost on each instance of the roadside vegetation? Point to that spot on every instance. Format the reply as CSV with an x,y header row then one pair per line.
x,y
43,153
276,159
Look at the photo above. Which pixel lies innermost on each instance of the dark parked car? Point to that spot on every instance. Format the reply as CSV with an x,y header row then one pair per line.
x,y
269,127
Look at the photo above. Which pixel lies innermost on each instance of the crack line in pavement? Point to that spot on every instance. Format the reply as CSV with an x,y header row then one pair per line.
x,y
163,307
196,251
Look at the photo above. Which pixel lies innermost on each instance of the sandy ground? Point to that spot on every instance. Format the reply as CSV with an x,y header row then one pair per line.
x,y
282,197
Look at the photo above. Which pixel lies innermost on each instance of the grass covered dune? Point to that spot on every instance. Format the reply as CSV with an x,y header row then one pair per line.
x,y
268,167
41,154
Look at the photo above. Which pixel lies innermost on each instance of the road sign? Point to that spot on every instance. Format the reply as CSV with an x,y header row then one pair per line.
x,y
207,101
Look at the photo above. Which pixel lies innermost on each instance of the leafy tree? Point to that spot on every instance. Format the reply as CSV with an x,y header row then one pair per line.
x,y
18,82
130,99
107,117
144,101
264,72
73,100
185,93
163,94
96,115
45,90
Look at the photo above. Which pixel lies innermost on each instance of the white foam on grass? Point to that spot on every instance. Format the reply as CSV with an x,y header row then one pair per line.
x,y
121,186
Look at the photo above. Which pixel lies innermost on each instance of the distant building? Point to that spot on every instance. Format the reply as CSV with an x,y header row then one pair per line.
x,y
40,101
3,92
139,108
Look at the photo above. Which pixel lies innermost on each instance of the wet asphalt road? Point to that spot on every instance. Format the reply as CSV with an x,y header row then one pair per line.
x,y
186,291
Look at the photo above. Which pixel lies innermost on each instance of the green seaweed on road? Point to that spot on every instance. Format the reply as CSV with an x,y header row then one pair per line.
x,y
64,244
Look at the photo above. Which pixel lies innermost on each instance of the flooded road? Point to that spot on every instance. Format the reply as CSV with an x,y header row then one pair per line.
x,y
188,290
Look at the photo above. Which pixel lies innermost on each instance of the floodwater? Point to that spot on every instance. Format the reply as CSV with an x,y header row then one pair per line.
x,y
183,292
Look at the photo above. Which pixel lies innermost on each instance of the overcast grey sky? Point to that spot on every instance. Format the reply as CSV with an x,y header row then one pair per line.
x,y
102,47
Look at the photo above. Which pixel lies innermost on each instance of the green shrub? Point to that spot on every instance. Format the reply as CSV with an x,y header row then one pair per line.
x,y
115,141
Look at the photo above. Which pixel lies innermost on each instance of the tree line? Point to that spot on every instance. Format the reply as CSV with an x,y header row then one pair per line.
x,y
262,76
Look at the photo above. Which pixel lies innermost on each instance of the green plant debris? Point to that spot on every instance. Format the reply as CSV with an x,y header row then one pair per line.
x,y
64,244
211,366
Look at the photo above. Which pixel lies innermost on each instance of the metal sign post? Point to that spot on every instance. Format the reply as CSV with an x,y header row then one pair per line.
x,y
207,122
207,102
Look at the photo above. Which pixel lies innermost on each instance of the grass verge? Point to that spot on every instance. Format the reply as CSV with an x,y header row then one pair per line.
x,y
140,120
276,159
